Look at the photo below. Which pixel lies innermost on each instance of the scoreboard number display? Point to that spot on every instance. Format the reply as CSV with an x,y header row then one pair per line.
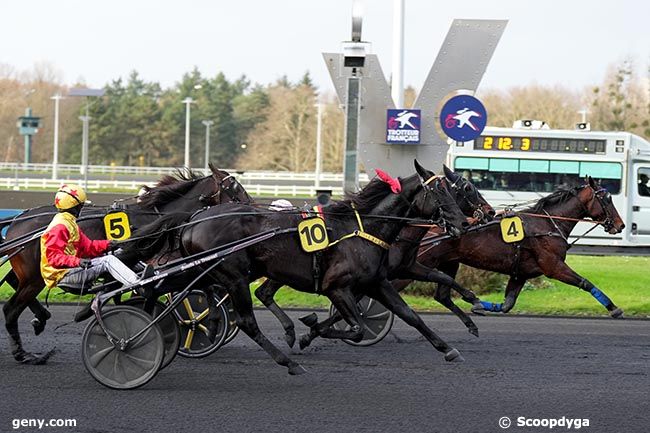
x,y
540,144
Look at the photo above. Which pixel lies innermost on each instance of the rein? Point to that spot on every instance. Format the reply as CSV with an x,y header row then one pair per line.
x,y
561,218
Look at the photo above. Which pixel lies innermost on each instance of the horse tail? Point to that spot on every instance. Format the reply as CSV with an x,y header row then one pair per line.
x,y
150,239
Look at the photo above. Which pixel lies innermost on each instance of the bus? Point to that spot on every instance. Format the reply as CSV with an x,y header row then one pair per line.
x,y
516,165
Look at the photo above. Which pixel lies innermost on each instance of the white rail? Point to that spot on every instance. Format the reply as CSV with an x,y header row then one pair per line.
x,y
17,184
243,176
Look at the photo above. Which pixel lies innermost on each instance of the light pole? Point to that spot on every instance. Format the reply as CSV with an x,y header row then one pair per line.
x,y
319,143
55,156
84,146
397,81
354,56
187,101
207,124
87,93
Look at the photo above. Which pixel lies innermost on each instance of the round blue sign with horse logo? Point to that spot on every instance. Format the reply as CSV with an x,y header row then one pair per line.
x,y
463,118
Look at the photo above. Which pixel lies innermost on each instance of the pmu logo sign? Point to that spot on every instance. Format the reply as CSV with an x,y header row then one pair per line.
x,y
463,118
403,127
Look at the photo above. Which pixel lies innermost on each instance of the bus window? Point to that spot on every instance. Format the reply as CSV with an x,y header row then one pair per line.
x,y
642,180
537,175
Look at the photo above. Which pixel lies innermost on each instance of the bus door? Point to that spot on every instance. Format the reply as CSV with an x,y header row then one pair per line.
x,y
640,216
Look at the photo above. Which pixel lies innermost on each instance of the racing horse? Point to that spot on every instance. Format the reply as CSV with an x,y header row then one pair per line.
x,y
362,227
186,191
542,251
402,263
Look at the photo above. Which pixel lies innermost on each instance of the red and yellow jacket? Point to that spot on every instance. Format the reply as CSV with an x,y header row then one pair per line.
x,y
63,245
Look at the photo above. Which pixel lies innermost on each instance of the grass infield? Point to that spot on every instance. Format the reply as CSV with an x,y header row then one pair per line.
x,y
625,280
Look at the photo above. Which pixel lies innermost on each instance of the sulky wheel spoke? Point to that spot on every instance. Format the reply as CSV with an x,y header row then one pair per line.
x,y
369,305
188,339
118,371
188,308
371,332
98,357
203,329
202,315
142,363
378,316
143,339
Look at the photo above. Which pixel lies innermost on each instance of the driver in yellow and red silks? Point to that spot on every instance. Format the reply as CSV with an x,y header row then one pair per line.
x,y
68,255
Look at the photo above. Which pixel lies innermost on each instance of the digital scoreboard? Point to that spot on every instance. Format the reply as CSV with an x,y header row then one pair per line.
x,y
539,144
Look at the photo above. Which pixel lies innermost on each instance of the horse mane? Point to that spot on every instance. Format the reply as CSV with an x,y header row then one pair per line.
x,y
365,200
169,187
560,196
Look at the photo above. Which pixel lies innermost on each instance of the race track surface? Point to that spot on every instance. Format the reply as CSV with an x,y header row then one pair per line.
x,y
520,367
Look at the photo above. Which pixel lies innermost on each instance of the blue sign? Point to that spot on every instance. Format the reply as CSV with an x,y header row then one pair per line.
x,y
463,118
403,127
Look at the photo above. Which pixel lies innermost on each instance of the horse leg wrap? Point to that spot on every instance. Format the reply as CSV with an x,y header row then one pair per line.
x,y
493,307
602,298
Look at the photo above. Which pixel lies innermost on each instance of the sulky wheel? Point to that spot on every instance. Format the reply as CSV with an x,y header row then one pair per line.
x,y
123,363
376,320
192,317
168,325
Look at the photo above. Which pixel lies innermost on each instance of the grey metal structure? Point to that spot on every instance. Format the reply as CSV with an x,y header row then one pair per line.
x,y
460,65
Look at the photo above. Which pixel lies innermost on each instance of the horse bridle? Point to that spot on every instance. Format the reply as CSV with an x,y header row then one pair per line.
x,y
608,222
476,205
438,204
228,189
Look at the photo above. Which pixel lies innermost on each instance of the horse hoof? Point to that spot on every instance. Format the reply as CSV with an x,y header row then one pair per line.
x,y
32,359
296,370
213,327
309,320
617,313
304,341
38,326
454,356
290,338
478,309
473,331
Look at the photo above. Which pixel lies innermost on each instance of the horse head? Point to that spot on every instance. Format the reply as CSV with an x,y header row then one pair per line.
x,y
435,200
228,188
470,200
599,206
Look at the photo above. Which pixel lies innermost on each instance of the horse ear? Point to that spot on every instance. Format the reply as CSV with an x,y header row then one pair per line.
x,y
592,183
423,172
450,174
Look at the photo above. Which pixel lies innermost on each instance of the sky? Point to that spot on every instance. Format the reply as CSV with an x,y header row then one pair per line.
x,y
568,42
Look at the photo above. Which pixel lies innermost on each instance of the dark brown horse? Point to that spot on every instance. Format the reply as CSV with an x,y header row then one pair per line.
x,y
547,226
186,191
356,264
402,262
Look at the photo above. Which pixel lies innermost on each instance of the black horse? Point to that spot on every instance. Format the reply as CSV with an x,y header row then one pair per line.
x,y
402,262
366,223
187,191
547,226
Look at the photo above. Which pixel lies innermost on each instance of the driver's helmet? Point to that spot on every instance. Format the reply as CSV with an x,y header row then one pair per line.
x,y
68,196
280,205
